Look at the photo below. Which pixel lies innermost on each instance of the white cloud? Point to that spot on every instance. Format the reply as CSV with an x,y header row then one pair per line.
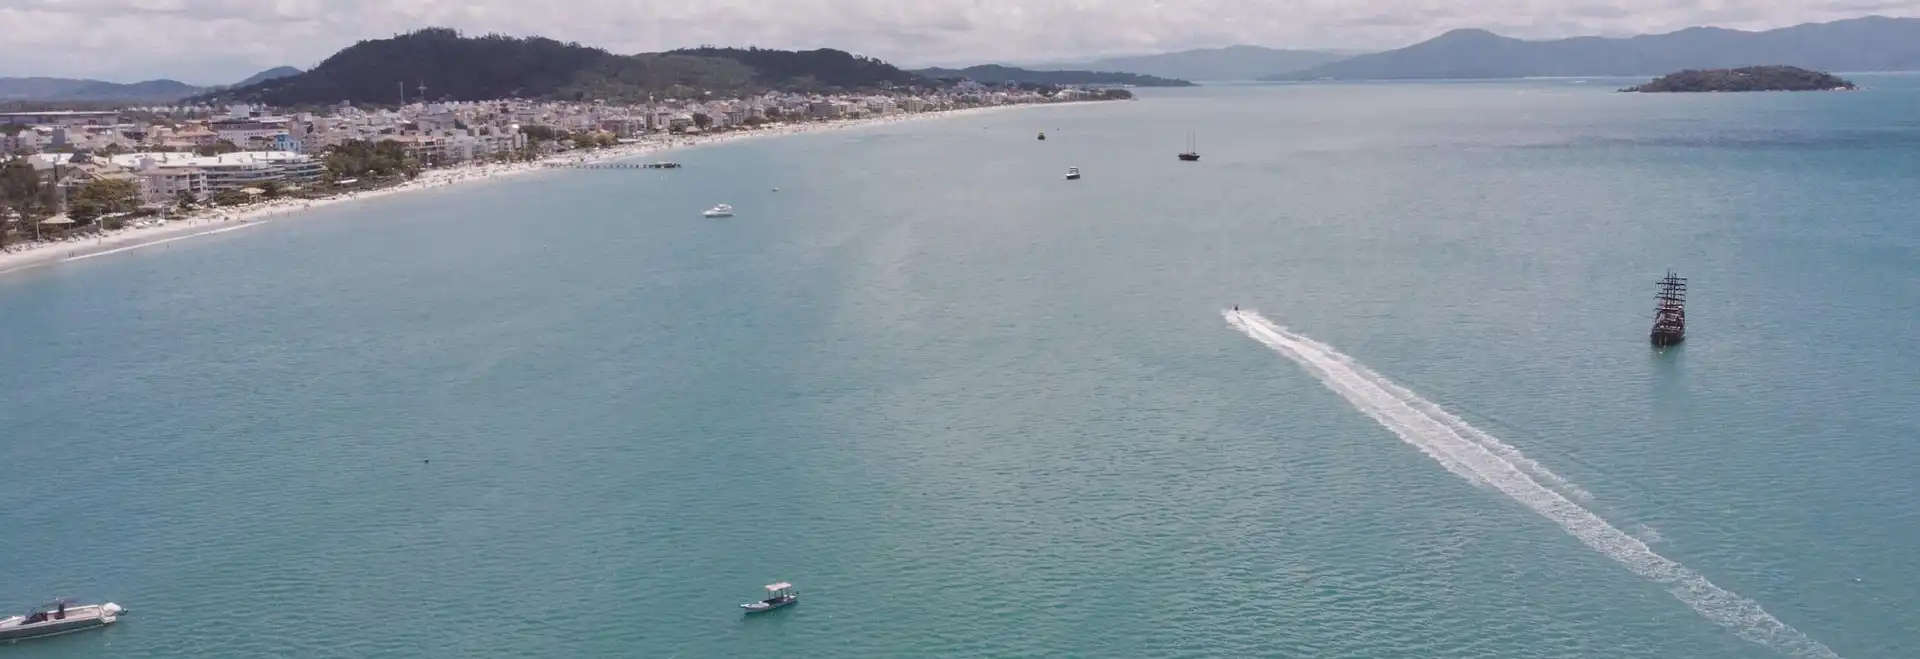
x,y
211,41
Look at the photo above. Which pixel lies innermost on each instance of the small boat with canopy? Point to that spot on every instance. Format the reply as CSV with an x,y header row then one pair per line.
x,y
778,595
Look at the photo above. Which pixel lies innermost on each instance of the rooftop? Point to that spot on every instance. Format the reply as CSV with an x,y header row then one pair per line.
x,y
237,159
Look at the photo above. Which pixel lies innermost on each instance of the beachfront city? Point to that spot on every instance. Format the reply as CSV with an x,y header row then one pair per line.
x,y
118,177
996,328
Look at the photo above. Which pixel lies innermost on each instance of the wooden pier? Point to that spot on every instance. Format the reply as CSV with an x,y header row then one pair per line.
x,y
1670,312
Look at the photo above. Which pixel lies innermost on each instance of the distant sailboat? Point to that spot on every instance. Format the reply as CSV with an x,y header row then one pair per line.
x,y
1189,155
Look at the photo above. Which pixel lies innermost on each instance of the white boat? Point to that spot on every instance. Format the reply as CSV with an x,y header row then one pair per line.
x,y
778,595
1073,173
58,617
721,210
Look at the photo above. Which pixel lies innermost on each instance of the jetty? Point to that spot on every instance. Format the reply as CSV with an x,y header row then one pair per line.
x,y
1670,312
613,165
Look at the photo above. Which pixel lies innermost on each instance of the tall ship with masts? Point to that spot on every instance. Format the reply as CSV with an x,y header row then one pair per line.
x,y
1670,312
1189,155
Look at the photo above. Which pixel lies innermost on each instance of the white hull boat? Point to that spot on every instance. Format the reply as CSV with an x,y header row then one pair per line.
x,y
721,210
778,595
1073,173
58,617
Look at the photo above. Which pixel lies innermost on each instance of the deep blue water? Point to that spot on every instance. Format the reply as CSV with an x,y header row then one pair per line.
x,y
974,410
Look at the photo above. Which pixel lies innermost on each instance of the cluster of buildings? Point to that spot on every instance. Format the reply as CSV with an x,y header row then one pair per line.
x,y
159,147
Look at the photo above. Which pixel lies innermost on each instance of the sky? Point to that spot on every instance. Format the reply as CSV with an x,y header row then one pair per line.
x,y
222,41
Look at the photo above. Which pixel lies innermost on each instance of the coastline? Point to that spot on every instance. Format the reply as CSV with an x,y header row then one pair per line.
x,y
27,256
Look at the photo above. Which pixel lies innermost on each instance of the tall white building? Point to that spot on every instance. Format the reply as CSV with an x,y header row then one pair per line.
x,y
207,175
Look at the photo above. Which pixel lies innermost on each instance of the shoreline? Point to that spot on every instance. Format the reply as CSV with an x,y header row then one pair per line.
x,y
28,256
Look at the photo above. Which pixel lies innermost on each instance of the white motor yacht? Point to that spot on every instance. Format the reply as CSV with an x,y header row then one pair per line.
x,y
721,210
1073,173
58,617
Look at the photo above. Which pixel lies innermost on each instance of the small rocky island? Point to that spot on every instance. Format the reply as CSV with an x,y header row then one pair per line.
x,y
1748,79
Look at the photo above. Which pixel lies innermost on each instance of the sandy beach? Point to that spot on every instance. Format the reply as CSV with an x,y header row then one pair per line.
x,y
152,231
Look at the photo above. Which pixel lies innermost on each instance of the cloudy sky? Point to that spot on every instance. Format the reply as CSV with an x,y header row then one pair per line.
x,y
218,41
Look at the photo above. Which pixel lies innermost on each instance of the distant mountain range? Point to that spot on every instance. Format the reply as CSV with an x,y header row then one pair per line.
x,y
996,73
443,64
65,90
456,67
1874,43
269,74
1207,64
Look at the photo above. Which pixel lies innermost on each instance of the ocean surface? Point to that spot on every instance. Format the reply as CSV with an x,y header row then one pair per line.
x,y
973,410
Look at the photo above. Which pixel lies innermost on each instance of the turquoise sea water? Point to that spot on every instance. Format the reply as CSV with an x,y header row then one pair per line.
x,y
973,410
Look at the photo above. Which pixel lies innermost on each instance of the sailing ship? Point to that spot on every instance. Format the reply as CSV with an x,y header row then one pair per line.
x,y
1189,155
1043,136
1670,312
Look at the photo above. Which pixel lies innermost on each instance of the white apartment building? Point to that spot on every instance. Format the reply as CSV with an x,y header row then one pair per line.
x,y
27,141
459,146
231,171
161,186
239,131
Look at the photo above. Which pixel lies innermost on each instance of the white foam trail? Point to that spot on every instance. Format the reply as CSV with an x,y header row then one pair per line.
x,y
1484,459
1460,427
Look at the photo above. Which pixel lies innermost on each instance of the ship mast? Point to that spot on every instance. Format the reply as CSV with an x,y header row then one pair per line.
x,y
1670,312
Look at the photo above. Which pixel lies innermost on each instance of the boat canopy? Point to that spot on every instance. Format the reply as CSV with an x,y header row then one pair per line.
x,y
778,586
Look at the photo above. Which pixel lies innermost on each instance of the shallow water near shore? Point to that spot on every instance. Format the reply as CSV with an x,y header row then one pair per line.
x,y
973,410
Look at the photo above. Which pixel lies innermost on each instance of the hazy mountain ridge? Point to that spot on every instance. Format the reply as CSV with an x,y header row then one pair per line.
x,y
64,90
999,73
1874,43
269,74
1205,64
444,64
80,89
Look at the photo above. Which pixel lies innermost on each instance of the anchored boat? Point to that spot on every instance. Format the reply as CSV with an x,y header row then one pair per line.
x,y
721,210
1670,312
778,595
57,617
1073,173
1189,155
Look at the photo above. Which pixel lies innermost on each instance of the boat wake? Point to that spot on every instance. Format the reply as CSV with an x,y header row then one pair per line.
x,y
1485,460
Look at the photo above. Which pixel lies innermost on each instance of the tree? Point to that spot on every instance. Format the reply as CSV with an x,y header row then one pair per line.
x,y
229,197
702,120
270,189
12,130
359,158
185,200
585,141
216,148
606,140
22,189
102,196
